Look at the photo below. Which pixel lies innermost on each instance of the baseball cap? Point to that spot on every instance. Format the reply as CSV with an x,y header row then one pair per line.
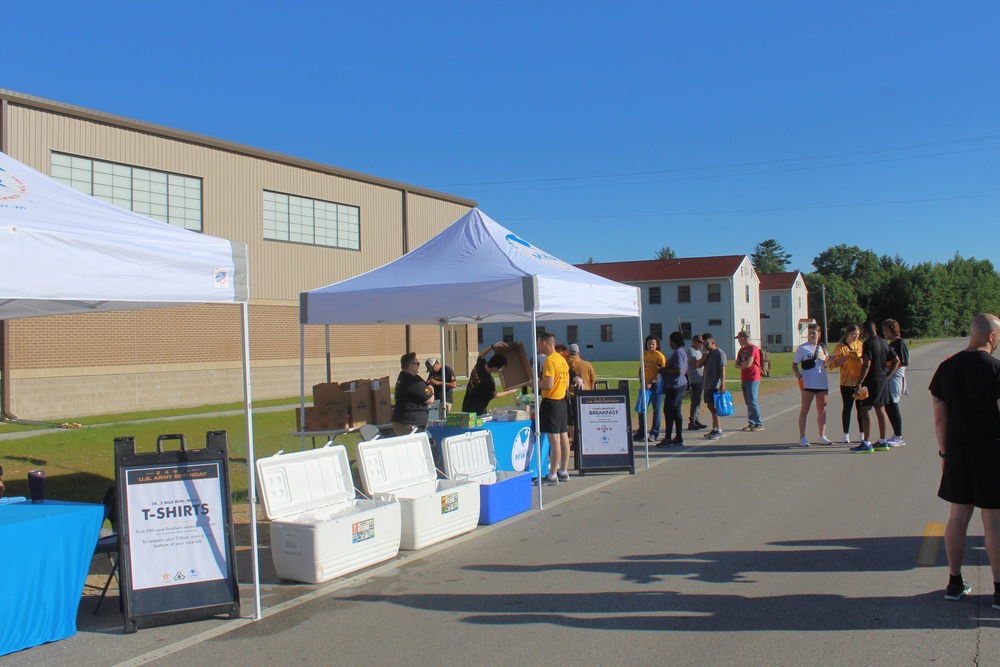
x,y
743,334
574,348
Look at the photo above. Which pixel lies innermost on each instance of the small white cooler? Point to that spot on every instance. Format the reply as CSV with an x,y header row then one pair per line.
x,y
502,494
433,509
319,529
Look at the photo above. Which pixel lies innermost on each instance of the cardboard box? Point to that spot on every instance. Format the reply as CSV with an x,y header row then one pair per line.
x,y
329,393
323,418
381,412
518,372
359,400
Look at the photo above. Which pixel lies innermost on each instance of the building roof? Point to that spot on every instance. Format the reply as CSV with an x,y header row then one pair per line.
x,y
777,280
687,268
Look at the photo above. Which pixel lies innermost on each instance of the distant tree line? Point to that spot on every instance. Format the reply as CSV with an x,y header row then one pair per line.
x,y
927,299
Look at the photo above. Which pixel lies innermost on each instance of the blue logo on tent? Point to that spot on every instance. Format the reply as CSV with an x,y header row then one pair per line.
x,y
529,250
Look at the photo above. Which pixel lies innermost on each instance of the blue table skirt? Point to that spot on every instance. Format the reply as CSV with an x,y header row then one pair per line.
x,y
48,548
511,442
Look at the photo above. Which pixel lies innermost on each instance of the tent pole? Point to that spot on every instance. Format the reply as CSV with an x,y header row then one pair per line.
x,y
329,372
538,423
442,408
251,461
302,385
642,386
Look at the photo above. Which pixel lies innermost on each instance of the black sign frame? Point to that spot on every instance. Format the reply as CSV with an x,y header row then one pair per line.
x,y
603,462
176,603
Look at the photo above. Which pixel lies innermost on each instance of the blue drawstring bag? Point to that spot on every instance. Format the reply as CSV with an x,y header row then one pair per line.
x,y
723,403
642,402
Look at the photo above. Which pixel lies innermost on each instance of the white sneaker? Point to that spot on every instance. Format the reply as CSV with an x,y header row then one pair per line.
x,y
803,442
823,440
895,441
846,439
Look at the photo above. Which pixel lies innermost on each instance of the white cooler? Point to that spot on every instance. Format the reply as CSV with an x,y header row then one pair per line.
x,y
432,509
502,494
319,530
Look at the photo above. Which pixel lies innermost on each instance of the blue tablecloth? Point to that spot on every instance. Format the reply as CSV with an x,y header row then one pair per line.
x,y
511,442
48,547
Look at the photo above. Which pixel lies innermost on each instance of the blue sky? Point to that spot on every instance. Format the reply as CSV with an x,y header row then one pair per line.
x,y
593,129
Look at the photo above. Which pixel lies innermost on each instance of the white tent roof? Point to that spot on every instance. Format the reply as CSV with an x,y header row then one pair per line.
x,y
473,271
62,251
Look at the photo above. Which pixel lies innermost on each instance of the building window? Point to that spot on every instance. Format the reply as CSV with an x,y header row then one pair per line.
x,y
775,301
770,339
656,329
800,302
714,293
606,335
748,292
479,335
777,339
715,323
508,334
683,294
654,296
169,198
686,330
311,221
572,334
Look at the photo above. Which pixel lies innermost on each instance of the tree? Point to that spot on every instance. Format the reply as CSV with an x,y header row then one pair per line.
x,y
841,303
591,260
665,253
861,269
770,257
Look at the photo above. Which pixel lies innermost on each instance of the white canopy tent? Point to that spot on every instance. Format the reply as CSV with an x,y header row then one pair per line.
x,y
64,252
473,271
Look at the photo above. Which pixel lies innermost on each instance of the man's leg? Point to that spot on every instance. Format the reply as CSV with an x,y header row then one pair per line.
x,y
563,452
753,406
991,530
880,415
954,536
696,391
555,452
865,412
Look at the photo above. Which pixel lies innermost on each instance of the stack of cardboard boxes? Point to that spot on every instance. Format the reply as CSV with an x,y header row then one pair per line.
x,y
347,405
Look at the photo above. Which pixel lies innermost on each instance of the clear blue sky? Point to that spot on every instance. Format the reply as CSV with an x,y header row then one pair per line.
x,y
593,129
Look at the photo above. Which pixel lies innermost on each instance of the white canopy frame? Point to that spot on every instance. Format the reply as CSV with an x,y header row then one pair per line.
x,y
64,252
474,271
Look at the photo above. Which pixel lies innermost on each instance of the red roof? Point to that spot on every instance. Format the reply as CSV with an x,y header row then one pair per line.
x,y
777,280
688,268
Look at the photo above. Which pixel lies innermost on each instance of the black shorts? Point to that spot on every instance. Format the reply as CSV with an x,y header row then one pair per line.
x,y
878,391
970,474
553,417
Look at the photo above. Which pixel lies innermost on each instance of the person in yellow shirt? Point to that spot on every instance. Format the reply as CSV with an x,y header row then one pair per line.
x,y
847,357
552,414
652,361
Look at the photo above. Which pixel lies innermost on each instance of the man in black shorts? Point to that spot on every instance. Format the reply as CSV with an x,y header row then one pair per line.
x,y
875,356
966,391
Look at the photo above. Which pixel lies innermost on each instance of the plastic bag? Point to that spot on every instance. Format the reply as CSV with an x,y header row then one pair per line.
x,y
723,403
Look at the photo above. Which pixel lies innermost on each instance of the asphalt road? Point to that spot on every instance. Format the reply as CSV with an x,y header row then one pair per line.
x,y
745,551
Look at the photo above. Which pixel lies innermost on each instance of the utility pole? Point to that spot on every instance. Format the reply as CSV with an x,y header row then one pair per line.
x,y
826,333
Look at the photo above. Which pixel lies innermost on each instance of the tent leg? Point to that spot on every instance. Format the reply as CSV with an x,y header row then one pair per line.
x,y
251,462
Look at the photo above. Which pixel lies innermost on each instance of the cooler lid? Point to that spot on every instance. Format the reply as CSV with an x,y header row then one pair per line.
x,y
390,464
294,483
469,455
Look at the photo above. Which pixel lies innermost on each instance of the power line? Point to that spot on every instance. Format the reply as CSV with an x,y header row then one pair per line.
x,y
757,210
709,177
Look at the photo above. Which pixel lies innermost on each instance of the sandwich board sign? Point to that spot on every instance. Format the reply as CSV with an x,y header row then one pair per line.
x,y
177,552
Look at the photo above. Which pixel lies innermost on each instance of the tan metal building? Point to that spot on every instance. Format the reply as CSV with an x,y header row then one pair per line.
x,y
305,224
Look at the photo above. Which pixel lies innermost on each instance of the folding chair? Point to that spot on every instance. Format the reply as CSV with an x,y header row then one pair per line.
x,y
109,544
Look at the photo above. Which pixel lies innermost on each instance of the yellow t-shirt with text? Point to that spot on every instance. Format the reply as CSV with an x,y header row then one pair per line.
x,y
850,372
556,367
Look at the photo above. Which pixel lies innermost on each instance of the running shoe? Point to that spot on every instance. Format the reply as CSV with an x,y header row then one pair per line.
x,y
895,441
881,446
759,427
863,448
823,440
846,439
803,441
716,435
958,591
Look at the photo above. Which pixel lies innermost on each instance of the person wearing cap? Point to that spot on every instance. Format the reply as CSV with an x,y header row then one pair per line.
x,y
748,361
583,369
695,383
714,365
443,379
482,388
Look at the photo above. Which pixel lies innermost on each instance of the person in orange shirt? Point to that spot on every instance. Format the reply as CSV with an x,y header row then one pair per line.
x,y
552,414
847,357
